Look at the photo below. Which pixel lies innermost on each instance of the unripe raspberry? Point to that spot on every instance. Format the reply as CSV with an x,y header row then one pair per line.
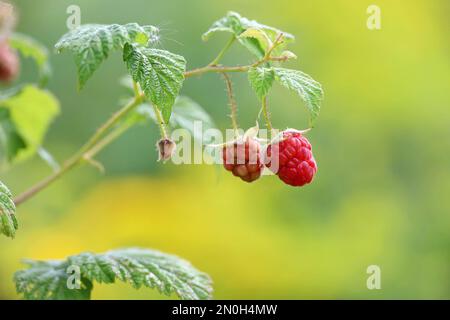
x,y
9,63
166,148
291,159
243,159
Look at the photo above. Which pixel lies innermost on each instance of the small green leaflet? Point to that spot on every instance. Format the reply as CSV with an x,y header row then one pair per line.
x,y
160,74
29,47
24,119
140,267
261,80
306,87
8,222
259,35
253,41
91,44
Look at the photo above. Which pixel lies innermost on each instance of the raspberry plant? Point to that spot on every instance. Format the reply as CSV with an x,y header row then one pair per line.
x,y
155,79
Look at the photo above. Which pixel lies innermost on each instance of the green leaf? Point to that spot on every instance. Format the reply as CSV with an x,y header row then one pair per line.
x,y
29,47
237,25
306,87
26,118
160,74
139,267
8,222
47,280
91,44
261,80
11,142
259,35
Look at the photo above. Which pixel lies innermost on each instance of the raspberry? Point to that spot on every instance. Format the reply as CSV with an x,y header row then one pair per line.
x,y
243,159
292,159
9,62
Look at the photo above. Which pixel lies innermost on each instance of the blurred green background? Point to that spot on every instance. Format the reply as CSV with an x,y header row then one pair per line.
x,y
381,195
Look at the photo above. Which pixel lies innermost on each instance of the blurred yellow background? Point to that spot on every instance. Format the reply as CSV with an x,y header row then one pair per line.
x,y
381,142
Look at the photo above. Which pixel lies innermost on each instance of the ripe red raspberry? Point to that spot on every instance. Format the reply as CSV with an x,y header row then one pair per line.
x,y
243,159
9,62
291,159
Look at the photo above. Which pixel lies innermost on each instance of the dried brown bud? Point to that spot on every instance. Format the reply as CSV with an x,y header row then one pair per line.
x,y
166,148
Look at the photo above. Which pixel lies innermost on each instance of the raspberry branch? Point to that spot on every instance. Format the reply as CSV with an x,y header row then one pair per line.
x,y
221,69
97,142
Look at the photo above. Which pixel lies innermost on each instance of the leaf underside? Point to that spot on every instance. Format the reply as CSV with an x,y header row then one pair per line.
x,y
8,222
160,74
140,267
91,44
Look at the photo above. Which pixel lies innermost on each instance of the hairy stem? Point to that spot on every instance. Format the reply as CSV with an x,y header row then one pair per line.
x,y
231,101
266,114
221,69
160,121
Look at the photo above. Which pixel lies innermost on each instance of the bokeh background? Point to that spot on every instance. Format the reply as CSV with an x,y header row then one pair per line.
x,y
382,143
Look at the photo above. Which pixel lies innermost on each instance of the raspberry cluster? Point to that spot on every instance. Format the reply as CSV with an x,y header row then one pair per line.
x,y
290,158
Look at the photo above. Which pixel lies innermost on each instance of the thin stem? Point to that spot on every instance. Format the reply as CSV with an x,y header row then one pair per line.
x,y
44,183
276,43
222,69
111,122
79,156
231,101
105,141
223,51
161,122
266,113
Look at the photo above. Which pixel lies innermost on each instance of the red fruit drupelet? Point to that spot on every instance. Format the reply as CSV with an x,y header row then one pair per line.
x,y
291,159
243,159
